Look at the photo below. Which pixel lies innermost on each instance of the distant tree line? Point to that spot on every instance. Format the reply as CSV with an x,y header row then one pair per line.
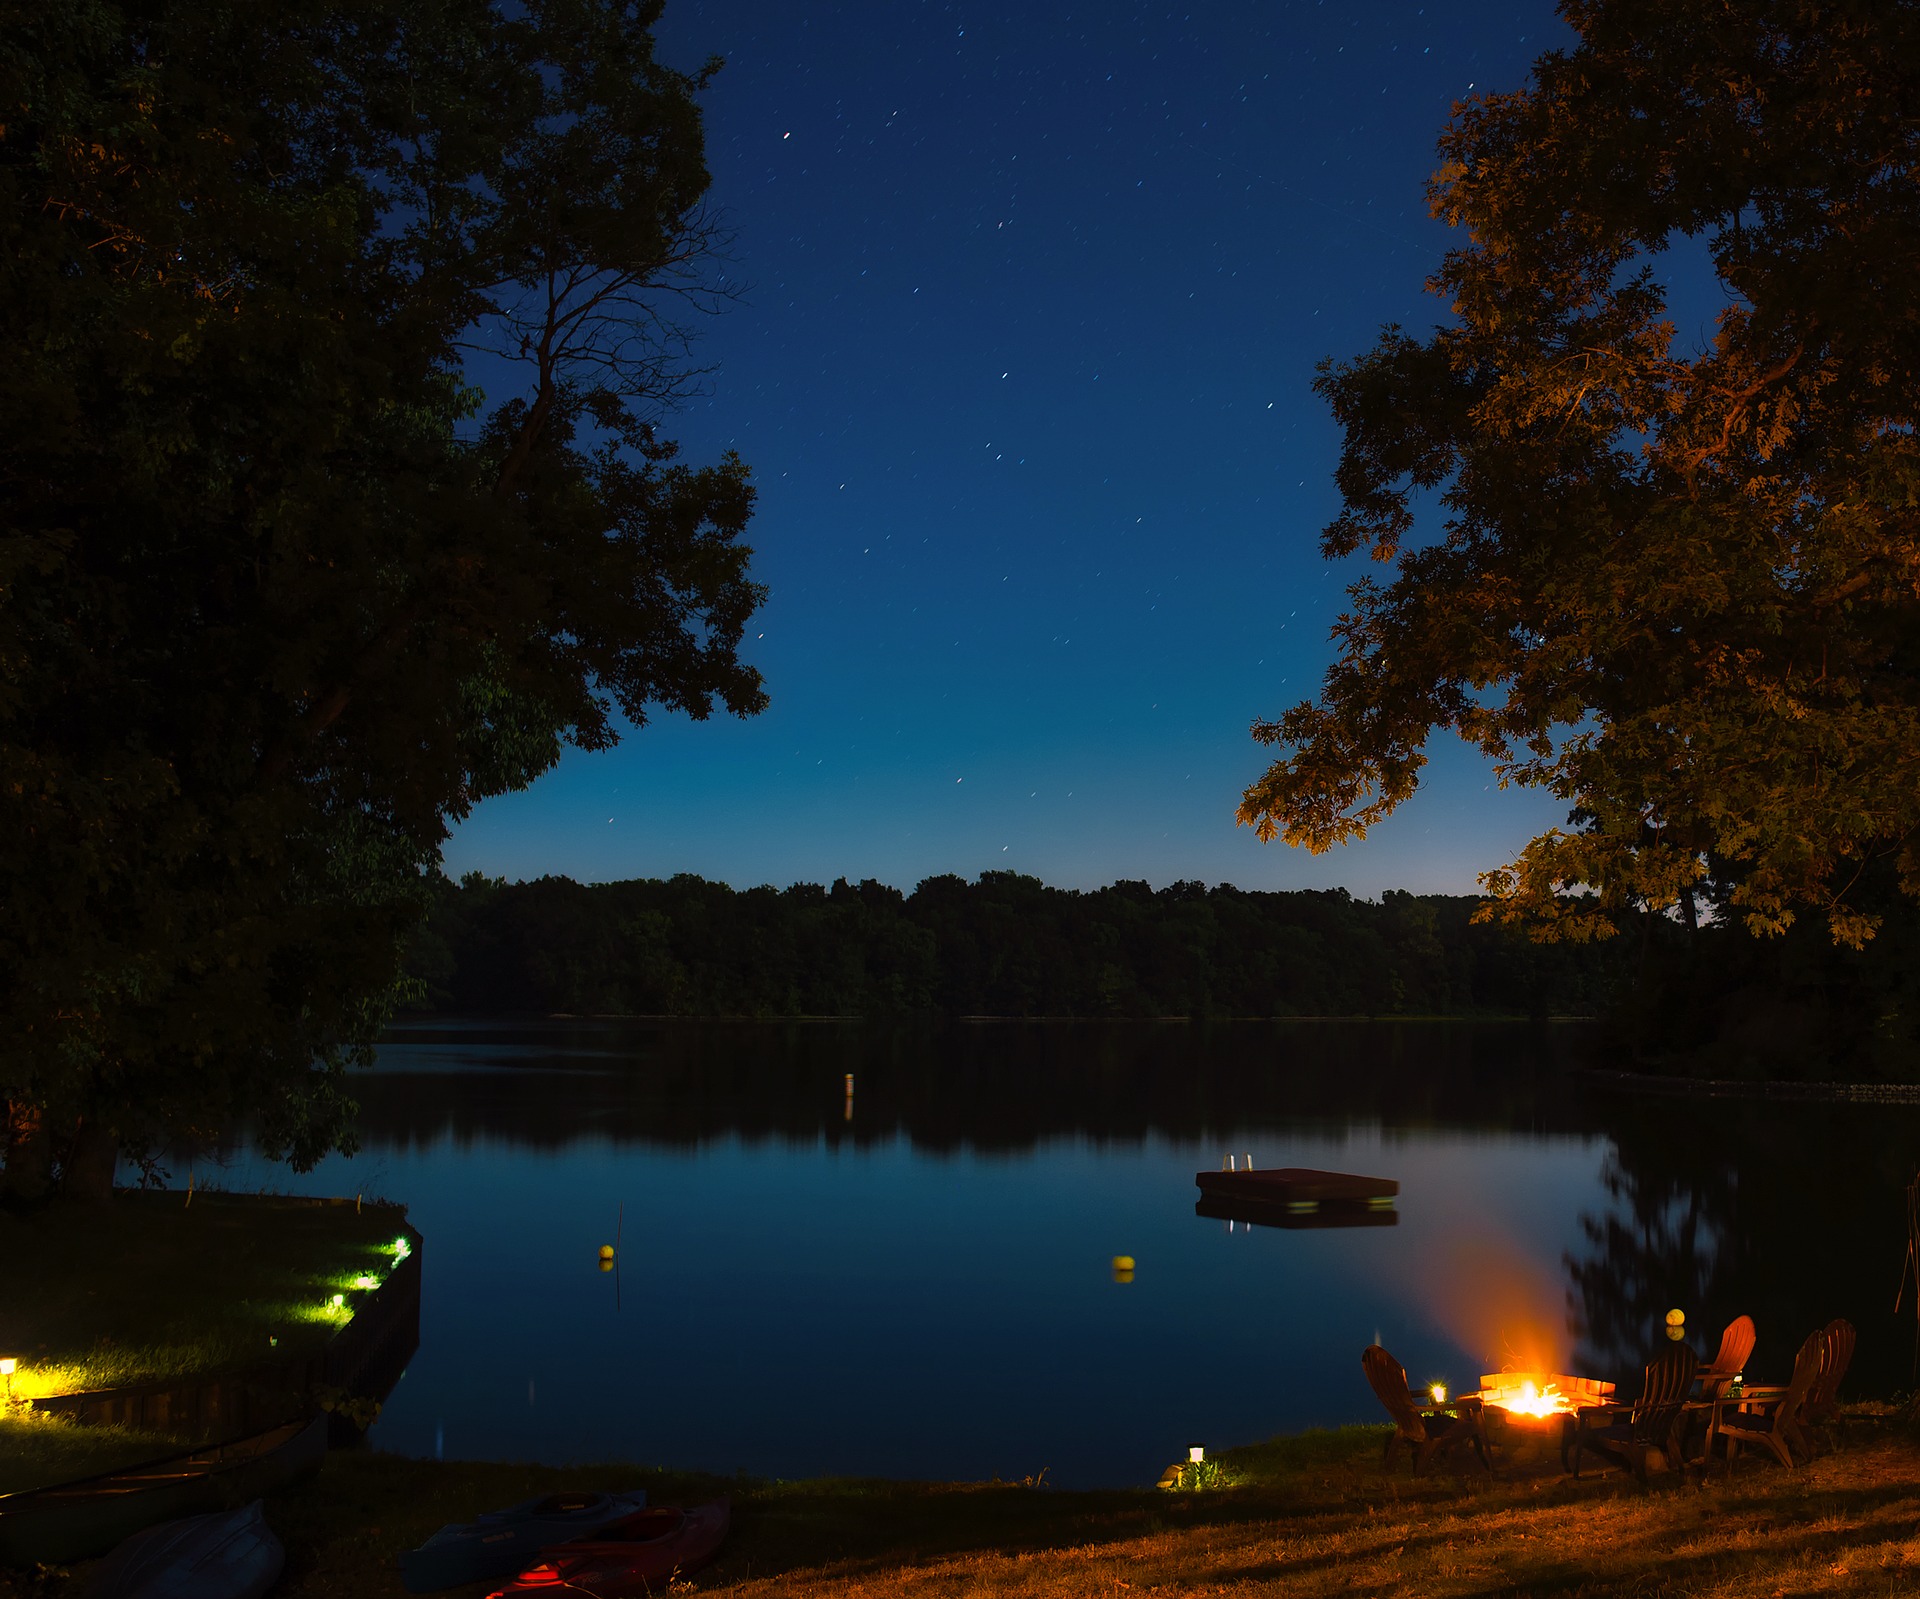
x,y
1006,945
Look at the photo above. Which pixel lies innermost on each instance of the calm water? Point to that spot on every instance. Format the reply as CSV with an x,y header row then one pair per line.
x,y
924,1287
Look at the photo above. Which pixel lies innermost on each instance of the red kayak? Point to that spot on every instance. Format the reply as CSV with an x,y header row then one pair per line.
x,y
635,1556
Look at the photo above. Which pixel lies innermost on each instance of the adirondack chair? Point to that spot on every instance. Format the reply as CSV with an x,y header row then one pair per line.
x,y
1822,1407
1736,1347
1630,1433
1426,1431
1771,1417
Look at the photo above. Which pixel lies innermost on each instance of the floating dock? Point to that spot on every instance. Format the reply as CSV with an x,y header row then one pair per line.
x,y
1298,1196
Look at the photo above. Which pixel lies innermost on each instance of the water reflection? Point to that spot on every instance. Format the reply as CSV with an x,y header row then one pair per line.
x,y
897,1249
980,1087
1788,1213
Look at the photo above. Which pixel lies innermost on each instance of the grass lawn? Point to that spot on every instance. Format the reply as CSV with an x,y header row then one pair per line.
x,y
36,1451
1310,1516
150,1287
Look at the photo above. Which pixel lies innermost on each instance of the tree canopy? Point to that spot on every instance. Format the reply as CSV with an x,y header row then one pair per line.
x,y
1678,583
282,592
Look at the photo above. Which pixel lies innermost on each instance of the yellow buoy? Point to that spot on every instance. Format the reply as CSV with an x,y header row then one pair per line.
x,y
606,1251
1676,1318
1123,1263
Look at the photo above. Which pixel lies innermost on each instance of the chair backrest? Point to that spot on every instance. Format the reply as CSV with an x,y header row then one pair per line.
x,y
1807,1366
1669,1376
1388,1379
1736,1347
1839,1335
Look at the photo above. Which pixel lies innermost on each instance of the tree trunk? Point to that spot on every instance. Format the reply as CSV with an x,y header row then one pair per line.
x,y
28,1152
88,1173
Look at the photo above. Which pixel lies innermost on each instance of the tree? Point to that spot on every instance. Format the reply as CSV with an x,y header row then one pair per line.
x,y
281,593
1679,580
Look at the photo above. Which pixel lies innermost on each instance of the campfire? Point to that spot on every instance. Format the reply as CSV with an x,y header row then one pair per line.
x,y
1538,1395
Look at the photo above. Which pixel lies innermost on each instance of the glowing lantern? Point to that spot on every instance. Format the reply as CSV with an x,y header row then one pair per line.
x,y
1439,1392
1195,1454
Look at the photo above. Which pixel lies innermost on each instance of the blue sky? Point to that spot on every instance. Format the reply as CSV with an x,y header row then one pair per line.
x,y
1023,375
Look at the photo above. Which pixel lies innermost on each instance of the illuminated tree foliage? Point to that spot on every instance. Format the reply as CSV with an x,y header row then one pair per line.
x,y
1679,580
280,593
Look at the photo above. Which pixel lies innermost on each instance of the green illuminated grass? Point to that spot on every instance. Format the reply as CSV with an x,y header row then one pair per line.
x,y
149,1288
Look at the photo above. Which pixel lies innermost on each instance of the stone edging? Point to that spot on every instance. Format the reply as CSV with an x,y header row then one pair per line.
x,y
1741,1088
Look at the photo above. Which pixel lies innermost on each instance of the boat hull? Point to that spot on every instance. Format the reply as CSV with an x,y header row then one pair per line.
x,y
631,1559
78,1520
226,1555
500,1542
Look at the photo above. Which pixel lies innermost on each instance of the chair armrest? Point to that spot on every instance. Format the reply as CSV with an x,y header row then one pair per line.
x,y
1448,1407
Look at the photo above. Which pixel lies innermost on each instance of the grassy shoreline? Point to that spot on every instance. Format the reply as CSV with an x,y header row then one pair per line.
x,y
1309,1516
152,1289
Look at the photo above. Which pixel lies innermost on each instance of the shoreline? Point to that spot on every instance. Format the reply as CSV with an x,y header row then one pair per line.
x,y
1309,1516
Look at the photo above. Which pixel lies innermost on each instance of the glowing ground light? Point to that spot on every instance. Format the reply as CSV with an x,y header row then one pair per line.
x,y
338,1302
401,1249
1439,1392
366,1281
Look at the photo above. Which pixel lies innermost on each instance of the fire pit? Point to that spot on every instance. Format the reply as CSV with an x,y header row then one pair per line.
x,y
1531,1413
1536,1396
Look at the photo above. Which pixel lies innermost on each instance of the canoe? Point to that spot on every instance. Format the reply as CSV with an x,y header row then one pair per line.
x,y
229,1555
77,1520
499,1542
632,1558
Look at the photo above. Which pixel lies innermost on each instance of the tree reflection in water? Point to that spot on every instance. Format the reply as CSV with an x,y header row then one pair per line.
x,y
1789,1212
1792,1213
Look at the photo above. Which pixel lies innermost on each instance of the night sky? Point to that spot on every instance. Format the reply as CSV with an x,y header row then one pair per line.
x,y
1036,296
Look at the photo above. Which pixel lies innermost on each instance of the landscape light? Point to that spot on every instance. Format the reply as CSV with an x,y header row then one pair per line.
x,y
1439,1392
1196,1454
366,1280
401,1249
339,1302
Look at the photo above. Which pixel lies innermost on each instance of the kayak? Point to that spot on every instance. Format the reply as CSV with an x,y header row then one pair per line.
x,y
230,1555
499,1542
630,1559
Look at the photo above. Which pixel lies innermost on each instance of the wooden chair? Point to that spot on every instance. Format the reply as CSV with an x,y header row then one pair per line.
x,y
1822,1406
1427,1431
1771,1417
1630,1433
1736,1347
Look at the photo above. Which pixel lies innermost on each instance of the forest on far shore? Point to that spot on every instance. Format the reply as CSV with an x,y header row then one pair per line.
x,y
1710,1001
1006,945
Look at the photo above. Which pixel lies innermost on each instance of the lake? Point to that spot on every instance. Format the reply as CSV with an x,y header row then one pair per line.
x,y
918,1281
